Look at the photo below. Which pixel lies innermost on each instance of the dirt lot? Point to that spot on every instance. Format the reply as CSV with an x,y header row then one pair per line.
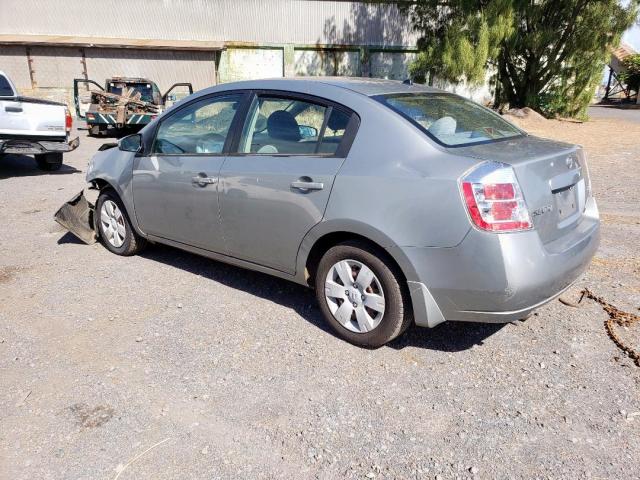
x,y
167,365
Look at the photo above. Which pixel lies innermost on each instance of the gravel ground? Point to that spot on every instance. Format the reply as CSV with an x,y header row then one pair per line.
x,y
168,365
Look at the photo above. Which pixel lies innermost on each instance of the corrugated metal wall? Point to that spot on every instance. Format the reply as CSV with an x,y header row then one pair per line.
x,y
264,38
13,62
165,67
56,67
259,21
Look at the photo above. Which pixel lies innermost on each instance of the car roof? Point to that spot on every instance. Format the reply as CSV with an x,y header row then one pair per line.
x,y
363,85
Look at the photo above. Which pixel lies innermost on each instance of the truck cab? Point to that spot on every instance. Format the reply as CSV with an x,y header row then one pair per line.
x,y
124,104
34,126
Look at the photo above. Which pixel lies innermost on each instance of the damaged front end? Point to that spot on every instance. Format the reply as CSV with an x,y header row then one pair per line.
x,y
76,215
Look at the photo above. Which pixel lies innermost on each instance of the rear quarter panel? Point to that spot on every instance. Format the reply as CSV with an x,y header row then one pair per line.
x,y
396,181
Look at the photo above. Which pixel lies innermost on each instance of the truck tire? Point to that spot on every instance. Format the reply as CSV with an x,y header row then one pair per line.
x,y
95,131
49,161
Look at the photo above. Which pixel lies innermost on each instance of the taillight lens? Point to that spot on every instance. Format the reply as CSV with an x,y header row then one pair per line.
x,y
68,121
494,199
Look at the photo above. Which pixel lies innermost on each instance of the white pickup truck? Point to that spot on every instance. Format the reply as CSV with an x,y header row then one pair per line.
x,y
32,126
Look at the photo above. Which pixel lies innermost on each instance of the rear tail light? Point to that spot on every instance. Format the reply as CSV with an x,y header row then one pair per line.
x,y
494,200
68,121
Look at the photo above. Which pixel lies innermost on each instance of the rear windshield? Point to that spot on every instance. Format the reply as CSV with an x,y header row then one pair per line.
x,y
5,88
449,119
145,90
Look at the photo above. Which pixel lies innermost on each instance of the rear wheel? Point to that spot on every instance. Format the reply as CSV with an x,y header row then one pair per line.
x,y
361,295
49,161
114,226
96,131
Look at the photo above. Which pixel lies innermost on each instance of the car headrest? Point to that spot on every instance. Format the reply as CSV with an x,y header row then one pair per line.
x,y
283,126
444,126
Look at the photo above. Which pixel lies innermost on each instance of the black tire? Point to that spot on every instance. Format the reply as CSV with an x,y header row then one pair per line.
x,y
132,243
96,131
397,315
49,161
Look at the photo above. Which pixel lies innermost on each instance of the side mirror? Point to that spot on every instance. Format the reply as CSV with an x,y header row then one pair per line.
x,y
131,143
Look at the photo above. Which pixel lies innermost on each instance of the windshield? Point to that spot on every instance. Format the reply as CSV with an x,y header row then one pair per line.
x,y
449,119
145,90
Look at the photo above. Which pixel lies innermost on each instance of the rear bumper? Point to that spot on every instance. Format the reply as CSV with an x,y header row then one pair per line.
x,y
36,147
110,119
498,278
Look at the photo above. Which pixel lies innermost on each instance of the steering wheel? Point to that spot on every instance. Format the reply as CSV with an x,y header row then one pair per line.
x,y
204,144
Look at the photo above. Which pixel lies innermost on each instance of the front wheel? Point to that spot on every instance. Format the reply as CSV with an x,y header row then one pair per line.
x,y
114,226
361,294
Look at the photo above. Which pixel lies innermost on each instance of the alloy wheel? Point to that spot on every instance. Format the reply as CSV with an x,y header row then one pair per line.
x,y
355,296
113,226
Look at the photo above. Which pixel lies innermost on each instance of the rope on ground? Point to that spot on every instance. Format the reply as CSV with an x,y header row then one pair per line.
x,y
616,317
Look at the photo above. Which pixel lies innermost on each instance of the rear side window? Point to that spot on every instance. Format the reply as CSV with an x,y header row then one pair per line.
x,y
199,128
5,87
449,119
284,126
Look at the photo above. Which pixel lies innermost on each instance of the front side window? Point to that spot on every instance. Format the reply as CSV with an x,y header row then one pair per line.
x,y
5,87
451,120
292,127
199,128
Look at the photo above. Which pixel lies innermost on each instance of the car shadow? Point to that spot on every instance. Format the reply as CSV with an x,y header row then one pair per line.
x,y
25,166
447,337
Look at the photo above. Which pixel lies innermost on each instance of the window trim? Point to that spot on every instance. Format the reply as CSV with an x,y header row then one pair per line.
x,y
240,113
343,148
383,100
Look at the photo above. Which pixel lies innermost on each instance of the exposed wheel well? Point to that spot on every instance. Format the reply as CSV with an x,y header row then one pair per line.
x,y
331,239
101,184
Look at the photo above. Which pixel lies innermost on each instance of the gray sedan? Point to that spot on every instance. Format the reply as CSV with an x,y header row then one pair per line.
x,y
397,203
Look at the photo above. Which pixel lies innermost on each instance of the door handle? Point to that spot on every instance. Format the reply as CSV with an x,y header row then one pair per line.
x,y
306,186
12,109
203,181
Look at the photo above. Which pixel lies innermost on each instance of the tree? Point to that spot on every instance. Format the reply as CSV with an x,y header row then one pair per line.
x,y
631,74
547,54
556,57
458,37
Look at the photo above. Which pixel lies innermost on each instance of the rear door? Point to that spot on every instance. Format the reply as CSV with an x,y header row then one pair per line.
x,y
175,185
275,188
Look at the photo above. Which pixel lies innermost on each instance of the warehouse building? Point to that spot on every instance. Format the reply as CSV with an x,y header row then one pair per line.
x,y
45,44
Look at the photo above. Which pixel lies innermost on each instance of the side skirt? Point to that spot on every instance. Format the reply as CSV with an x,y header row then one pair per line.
x,y
226,259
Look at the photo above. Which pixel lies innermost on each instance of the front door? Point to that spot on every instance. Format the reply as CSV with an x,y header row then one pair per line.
x,y
175,186
82,95
276,187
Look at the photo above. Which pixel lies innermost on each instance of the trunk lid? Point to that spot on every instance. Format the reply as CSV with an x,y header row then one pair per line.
x,y
31,117
552,175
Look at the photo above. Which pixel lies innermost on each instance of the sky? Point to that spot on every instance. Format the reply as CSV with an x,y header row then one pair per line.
x,y
632,37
